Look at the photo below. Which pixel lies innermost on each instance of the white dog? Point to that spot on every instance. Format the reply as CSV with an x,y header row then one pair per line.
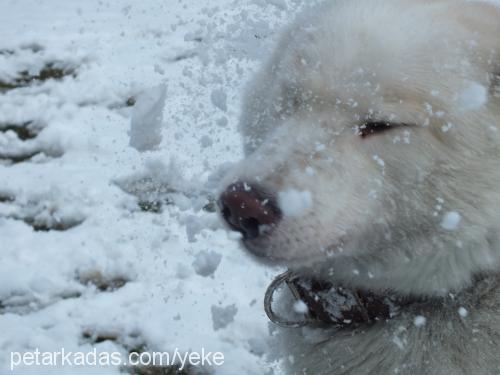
x,y
373,172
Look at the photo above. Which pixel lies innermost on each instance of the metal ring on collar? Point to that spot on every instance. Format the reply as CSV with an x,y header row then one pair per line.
x,y
268,302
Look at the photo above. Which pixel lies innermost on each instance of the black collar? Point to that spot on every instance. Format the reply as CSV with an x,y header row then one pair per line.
x,y
331,305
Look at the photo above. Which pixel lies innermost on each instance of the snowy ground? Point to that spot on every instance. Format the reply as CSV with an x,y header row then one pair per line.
x,y
102,245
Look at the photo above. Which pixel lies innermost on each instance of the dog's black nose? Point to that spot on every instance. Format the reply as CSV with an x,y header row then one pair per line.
x,y
248,210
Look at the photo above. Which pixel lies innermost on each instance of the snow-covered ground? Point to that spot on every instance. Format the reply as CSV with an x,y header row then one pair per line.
x,y
107,235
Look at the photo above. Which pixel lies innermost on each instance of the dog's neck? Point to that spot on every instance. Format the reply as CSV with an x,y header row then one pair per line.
x,y
333,305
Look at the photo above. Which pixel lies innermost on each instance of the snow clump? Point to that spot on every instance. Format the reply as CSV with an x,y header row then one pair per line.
x,y
294,202
206,263
223,316
473,97
147,118
451,220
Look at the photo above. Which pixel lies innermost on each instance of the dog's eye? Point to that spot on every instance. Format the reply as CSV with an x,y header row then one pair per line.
x,y
372,128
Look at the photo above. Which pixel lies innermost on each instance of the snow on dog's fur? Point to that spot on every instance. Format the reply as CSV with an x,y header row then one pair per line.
x,y
413,207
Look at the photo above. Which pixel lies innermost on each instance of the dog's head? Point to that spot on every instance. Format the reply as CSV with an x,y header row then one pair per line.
x,y
373,146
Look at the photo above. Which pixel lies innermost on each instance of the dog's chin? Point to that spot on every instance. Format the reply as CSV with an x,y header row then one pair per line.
x,y
260,252
264,253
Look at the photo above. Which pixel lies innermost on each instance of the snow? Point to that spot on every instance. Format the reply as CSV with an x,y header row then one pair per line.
x,y
462,311
473,97
310,171
206,263
398,342
219,99
451,221
379,161
147,119
447,127
300,307
223,316
293,202
109,236
420,321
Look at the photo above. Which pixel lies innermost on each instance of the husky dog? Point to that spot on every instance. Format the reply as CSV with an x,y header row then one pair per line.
x,y
372,139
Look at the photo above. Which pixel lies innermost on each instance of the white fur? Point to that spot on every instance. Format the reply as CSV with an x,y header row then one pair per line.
x,y
378,203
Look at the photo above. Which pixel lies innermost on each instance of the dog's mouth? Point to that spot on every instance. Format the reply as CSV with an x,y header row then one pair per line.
x,y
276,247
260,248
250,228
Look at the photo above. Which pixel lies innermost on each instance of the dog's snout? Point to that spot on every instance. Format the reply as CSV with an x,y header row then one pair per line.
x,y
248,210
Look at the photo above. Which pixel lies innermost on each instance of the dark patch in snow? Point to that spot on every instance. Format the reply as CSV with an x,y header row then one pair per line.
x,y
6,198
14,159
51,71
6,52
184,56
211,205
95,337
154,207
41,225
119,105
24,131
152,194
130,341
27,304
161,185
20,144
33,47
8,158
44,214
101,282
192,37
130,102
30,153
